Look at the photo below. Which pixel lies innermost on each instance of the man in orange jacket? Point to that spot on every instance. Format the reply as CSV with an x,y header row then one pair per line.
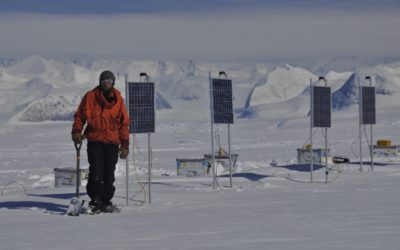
x,y
107,131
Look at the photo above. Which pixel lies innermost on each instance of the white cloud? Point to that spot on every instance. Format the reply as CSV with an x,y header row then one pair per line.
x,y
226,35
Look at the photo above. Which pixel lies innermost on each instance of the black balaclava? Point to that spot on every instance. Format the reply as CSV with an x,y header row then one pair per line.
x,y
107,75
104,76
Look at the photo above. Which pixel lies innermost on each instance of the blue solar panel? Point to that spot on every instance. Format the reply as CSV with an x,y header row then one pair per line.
x,y
141,107
368,115
321,98
222,101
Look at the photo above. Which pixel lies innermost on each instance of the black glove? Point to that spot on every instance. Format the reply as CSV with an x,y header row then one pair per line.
x,y
123,153
77,138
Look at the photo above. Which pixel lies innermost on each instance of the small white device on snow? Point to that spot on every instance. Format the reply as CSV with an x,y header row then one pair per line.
x,y
75,207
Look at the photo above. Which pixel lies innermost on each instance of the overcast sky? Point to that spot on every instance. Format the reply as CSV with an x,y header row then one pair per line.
x,y
200,29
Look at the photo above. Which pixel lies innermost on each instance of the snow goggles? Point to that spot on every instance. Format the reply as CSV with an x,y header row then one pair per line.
x,y
111,81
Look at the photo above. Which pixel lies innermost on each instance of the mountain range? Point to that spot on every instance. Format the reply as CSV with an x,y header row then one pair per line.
x,y
36,89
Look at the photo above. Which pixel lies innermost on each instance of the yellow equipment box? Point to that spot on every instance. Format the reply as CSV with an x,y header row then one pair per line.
x,y
384,143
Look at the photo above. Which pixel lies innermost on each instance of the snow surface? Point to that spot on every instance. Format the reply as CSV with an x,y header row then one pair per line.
x,y
267,208
272,205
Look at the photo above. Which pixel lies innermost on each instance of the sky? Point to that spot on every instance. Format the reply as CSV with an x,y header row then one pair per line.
x,y
200,30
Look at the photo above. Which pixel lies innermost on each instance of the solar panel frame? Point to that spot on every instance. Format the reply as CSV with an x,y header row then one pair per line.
x,y
141,107
321,106
222,101
368,105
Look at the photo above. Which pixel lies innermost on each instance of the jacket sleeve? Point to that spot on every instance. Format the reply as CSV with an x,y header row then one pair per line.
x,y
80,117
124,131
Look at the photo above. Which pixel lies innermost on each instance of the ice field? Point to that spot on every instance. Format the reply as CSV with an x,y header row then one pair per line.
x,y
269,207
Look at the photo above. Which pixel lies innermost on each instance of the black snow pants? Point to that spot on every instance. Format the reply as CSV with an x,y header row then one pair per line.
x,y
102,159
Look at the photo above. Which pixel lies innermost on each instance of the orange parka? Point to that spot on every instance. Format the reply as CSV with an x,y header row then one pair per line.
x,y
107,122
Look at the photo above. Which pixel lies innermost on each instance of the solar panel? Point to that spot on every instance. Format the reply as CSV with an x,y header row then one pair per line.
x,y
321,101
222,101
368,105
141,107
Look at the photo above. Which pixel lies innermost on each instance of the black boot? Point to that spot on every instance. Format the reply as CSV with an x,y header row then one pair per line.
x,y
96,207
111,208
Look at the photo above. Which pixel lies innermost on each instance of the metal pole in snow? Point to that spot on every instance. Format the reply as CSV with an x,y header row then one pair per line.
x,y
311,126
127,158
326,145
360,94
229,143
212,129
150,164
230,156
371,149
149,150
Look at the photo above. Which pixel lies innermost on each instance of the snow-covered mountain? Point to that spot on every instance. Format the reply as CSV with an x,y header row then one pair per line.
x,y
385,79
278,85
178,82
344,94
280,112
335,80
346,63
30,66
56,108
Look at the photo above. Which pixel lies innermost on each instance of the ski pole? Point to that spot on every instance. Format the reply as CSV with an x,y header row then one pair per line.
x,y
78,158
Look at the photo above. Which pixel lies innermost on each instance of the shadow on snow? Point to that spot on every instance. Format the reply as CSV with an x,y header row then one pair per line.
x,y
48,206
302,167
63,196
249,176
